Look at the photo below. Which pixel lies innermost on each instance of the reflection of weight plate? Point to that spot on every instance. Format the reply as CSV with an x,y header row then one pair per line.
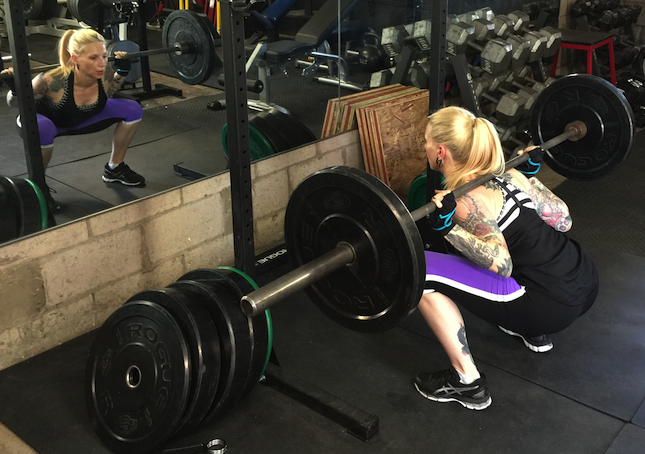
x,y
135,63
138,378
87,11
39,9
259,146
195,66
605,111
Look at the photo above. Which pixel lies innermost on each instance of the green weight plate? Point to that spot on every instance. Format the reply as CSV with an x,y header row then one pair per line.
x,y
385,281
259,146
417,192
201,335
197,65
605,111
138,378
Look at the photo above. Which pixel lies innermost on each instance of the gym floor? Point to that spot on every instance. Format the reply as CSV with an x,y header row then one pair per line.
x,y
585,396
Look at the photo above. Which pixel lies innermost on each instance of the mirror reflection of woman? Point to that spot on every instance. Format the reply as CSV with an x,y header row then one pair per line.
x,y
77,98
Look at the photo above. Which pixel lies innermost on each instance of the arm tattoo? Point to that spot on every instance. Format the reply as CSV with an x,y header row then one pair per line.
x,y
480,240
461,335
549,207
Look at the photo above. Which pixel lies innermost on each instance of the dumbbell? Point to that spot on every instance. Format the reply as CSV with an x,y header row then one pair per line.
x,y
509,108
529,95
524,77
538,41
381,78
495,55
419,74
553,36
505,26
392,38
505,132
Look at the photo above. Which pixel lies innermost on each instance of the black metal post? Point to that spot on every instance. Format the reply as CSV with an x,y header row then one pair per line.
x,y
232,22
25,93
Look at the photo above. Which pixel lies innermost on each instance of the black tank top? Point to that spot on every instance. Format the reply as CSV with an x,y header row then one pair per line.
x,y
544,260
65,113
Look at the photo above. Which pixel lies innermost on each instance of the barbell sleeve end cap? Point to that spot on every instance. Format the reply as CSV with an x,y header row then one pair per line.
x,y
579,128
248,306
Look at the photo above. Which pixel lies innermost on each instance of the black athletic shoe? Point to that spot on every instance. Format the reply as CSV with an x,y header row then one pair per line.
x,y
539,344
122,174
53,205
444,386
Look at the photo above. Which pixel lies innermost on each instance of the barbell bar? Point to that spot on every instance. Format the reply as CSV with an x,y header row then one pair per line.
x,y
605,142
344,253
188,41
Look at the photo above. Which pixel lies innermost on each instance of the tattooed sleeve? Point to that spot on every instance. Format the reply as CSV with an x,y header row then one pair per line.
x,y
478,237
549,207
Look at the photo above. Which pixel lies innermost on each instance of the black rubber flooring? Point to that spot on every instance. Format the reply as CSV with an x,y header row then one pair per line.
x,y
585,396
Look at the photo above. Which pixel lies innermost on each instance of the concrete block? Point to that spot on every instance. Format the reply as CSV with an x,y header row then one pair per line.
x,y
91,265
190,225
23,295
283,160
43,243
270,193
219,252
133,212
205,188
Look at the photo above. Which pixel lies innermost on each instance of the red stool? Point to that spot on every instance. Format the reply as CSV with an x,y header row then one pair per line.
x,y
589,41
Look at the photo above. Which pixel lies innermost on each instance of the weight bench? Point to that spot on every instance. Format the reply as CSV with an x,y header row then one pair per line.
x,y
310,39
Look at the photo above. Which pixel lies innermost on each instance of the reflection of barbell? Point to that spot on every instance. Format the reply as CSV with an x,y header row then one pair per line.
x,y
188,40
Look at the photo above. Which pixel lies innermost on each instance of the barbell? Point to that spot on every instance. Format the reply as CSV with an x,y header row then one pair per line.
x,y
355,247
188,40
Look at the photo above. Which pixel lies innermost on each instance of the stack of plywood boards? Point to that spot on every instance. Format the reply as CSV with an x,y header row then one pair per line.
x,y
391,121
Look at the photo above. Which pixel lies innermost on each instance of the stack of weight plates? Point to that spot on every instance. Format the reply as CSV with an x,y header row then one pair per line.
x,y
272,131
172,358
23,208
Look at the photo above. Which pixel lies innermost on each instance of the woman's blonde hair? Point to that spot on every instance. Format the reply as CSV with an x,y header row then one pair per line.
x,y
473,143
72,43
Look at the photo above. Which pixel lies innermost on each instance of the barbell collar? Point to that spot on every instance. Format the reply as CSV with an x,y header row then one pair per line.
x,y
573,131
260,300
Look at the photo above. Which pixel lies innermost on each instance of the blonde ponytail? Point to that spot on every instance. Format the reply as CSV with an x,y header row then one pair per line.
x,y
473,143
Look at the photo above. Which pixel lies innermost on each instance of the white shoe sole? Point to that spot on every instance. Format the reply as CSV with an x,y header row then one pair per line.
x,y
535,348
468,405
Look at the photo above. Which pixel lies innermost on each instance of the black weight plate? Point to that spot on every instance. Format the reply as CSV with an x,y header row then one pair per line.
x,y
200,332
605,111
273,135
18,204
233,331
47,9
30,206
138,378
385,281
135,63
296,130
195,66
87,11
8,213
260,333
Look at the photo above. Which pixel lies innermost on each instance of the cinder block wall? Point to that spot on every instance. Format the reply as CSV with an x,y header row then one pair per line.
x,y
65,281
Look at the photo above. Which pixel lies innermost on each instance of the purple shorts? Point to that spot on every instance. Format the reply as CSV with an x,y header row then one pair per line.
x,y
116,110
496,299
